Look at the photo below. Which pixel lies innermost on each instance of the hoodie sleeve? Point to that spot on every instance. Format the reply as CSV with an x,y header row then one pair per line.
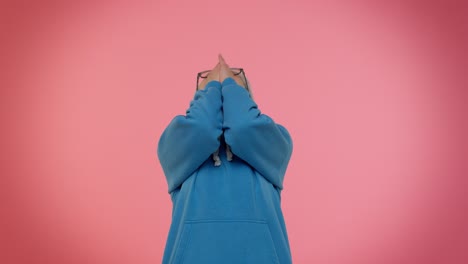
x,y
255,137
189,140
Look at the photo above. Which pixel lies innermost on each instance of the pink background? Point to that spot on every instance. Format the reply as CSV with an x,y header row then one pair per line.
x,y
374,96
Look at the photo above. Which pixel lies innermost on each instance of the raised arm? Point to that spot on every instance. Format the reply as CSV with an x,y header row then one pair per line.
x,y
255,137
189,140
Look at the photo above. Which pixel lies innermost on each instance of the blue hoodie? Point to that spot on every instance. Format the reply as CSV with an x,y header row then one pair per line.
x,y
229,213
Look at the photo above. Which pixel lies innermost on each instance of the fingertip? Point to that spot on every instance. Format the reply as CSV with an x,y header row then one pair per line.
x,y
221,59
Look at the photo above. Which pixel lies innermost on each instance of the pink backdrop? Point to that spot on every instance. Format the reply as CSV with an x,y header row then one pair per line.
x,y
374,96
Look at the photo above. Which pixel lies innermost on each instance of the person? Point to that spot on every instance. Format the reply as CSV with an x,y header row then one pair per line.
x,y
228,211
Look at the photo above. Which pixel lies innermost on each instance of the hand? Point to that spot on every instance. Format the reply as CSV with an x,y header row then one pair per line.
x,y
212,75
226,72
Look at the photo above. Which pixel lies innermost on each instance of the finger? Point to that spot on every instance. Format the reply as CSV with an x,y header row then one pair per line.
x,y
215,72
217,67
221,59
224,66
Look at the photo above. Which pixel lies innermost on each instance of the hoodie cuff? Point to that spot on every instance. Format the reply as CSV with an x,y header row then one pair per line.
x,y
208,87
229,81
214,83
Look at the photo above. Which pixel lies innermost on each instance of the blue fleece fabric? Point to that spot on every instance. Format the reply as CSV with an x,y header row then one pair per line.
x,y
229,213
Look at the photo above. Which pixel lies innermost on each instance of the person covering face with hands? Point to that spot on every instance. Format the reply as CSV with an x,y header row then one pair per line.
x,y
226,212
219,73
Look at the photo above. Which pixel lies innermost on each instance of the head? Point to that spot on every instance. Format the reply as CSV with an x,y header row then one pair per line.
x,y
242,77
222,71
